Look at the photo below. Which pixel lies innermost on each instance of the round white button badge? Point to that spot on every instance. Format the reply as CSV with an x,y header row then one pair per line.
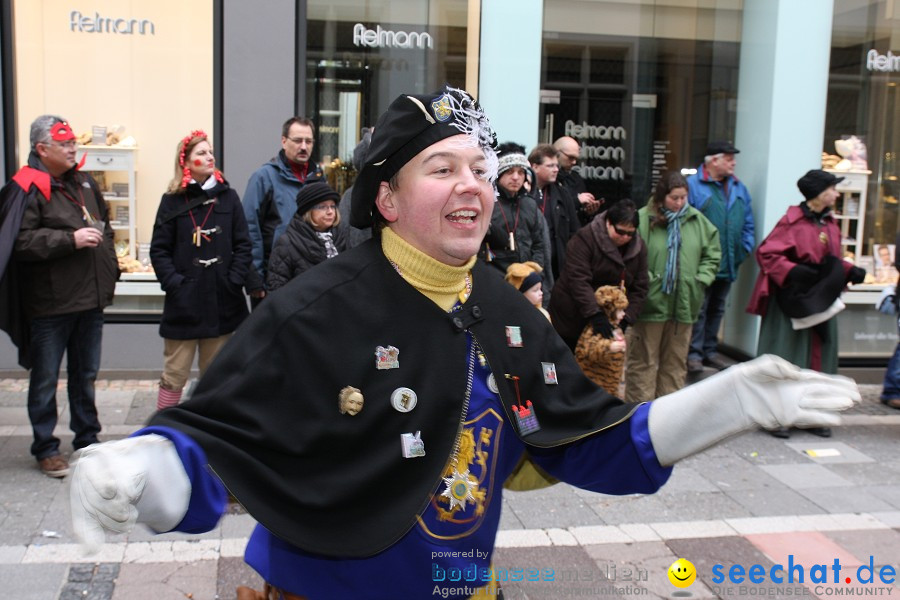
x,y
403,399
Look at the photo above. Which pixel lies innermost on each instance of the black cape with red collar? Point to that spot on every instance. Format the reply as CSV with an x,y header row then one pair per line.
x,y
28,181
266,411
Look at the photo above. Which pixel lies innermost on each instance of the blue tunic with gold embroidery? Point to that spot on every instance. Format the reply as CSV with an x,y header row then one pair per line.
x,y
458,541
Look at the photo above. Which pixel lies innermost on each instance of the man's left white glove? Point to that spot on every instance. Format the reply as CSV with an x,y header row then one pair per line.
x,y
117,484
765,392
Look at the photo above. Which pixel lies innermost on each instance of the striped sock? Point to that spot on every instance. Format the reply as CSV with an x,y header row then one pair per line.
x,y
167,398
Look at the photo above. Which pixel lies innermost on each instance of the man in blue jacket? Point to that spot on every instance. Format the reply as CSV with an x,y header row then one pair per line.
x,y
724,200
271,197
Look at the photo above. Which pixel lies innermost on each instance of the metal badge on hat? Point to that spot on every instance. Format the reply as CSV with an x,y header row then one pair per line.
x,y
441,108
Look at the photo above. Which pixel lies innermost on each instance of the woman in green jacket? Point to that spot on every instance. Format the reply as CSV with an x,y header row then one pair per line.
x,y
682,259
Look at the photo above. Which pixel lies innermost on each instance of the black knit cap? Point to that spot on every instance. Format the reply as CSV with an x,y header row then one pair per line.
x,y
313,193
411,124
815,182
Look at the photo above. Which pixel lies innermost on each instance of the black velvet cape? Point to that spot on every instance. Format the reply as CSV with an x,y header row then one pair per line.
x,y
266,411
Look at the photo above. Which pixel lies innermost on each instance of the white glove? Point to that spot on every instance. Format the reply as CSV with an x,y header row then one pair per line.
x,y
117,484
768,391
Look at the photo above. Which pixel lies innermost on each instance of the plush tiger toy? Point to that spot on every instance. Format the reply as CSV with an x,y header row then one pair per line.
x,y
603,359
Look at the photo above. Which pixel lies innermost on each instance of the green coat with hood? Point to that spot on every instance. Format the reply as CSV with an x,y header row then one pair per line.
x,y
698,263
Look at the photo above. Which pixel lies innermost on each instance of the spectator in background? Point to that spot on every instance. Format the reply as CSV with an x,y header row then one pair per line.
x,y
555,203
527,278
724,200
200,251
682,260
270,200
357,236
801,277
58,272
517,231
607,251
569,151
315,234
890,392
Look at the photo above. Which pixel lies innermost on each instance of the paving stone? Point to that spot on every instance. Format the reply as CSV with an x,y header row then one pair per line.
x,y
845,499
522,538
10,399
882,545
801,476
689,506
508,518
732,473
234,572
686,479
692,529
874,473
232,526
771,502
32,582
845,454
615,510
167,581
562,511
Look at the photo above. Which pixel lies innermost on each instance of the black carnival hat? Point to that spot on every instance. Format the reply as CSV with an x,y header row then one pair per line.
x,y
815,182
721,147
411,124
313,193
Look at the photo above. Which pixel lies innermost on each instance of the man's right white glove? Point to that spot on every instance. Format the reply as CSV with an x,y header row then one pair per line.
x,y
768,392
117,484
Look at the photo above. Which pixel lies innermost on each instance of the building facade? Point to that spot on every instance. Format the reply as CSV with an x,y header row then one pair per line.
x,y
644,85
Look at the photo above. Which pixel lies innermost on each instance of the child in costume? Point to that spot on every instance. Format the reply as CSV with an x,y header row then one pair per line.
x,y
603,359
526,277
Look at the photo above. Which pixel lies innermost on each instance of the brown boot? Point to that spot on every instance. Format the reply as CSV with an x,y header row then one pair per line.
x,y
245,593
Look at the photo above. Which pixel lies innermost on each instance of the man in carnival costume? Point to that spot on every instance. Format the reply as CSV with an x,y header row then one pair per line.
x,y
58,271
458,376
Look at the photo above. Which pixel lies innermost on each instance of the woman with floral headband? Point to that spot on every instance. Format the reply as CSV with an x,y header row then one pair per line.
x,y
201,253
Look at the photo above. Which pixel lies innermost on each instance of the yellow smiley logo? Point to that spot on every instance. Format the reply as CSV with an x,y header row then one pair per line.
x,y
682,573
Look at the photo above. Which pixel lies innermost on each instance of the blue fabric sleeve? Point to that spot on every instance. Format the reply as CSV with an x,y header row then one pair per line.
x,y
620,460
748,233
208,496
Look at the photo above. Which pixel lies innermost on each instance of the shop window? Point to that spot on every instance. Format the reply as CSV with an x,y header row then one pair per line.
x,y
643,89
361,57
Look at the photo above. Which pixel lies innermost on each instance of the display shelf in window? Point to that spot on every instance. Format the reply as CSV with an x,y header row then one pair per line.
x,y
113,167
850,210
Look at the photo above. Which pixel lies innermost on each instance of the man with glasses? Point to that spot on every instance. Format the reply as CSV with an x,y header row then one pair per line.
x,y
270,199
57,272
724,200
555,202
569,152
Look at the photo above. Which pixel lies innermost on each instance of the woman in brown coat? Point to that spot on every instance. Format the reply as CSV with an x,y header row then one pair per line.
x,y
607,251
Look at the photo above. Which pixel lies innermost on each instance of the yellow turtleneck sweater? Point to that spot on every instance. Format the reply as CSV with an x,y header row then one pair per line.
x,y
441,283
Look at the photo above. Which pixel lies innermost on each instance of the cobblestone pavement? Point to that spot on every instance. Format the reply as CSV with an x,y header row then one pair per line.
x,y
753,500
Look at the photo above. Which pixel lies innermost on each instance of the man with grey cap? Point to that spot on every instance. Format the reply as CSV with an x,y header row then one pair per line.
x,y
459,380
725,201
